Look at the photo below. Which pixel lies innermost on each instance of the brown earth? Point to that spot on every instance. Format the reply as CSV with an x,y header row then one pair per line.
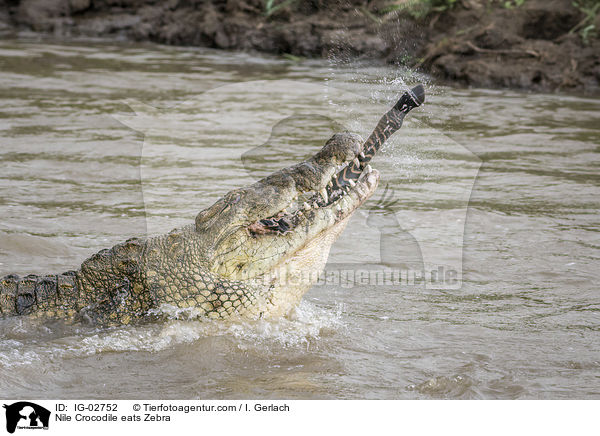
x,y
476,43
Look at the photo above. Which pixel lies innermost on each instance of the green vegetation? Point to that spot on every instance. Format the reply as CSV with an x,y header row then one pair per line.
x,y
587,27
509,4
419,9
271,6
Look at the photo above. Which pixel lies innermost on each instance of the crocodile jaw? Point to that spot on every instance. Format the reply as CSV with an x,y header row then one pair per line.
x,y
299,270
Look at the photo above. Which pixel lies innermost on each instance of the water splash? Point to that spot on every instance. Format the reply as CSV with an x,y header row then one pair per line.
x,y
302,328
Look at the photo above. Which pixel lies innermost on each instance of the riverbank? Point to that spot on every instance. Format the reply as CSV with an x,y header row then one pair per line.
x,y
538,45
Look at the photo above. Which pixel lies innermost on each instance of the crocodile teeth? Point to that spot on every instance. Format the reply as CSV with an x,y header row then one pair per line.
x,y
352,182
368,169
306,206
356,162
324,194
330,184
361,155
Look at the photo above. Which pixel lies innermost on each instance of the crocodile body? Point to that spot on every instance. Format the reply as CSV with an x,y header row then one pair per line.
x,y
252,254
122,284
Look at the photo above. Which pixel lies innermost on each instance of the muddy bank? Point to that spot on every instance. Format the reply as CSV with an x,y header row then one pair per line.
x,y
535,46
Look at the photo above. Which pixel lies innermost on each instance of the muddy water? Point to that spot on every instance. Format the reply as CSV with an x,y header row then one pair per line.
x,y
499,188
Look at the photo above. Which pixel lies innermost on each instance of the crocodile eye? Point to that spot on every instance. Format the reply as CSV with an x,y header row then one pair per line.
x,y
232,198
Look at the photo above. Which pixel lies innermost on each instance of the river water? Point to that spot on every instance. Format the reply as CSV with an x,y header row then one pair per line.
x,y
102,142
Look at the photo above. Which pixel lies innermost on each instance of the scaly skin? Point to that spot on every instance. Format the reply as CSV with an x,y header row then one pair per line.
x,y
245,256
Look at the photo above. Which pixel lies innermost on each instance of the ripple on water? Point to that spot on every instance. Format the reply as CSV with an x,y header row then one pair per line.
x,y
457,386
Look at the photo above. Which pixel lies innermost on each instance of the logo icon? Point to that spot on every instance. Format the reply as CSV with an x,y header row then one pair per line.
x,y
26,415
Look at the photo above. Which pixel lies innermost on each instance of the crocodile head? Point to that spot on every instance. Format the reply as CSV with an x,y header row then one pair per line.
x,y
277,232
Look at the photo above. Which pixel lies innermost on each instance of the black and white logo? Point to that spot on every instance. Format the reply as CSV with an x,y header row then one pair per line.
x,y
26,415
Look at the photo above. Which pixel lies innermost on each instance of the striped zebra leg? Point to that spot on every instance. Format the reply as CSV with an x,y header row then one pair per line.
x,y
386,127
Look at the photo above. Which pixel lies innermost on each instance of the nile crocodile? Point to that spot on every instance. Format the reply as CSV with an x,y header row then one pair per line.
x,y
252,254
